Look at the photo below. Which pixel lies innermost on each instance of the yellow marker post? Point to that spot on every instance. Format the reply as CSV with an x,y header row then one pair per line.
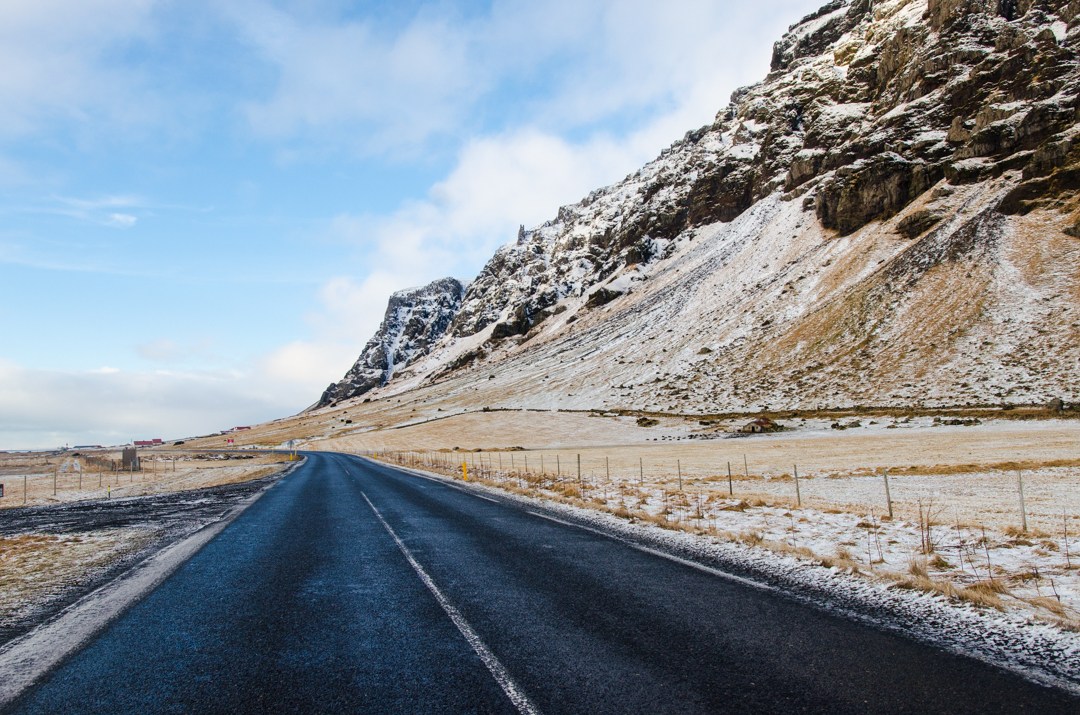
x,y
464,471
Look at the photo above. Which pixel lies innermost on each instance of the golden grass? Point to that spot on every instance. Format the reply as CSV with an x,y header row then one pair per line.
x,y
1050,604
35,567
984,593
160,474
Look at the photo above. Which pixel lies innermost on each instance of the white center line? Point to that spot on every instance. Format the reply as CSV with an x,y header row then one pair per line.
x,y
498,670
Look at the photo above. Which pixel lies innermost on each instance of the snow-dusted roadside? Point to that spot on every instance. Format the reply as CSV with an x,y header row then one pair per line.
x,y
1013,640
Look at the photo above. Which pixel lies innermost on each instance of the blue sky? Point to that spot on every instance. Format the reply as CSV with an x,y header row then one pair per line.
x,y
204,205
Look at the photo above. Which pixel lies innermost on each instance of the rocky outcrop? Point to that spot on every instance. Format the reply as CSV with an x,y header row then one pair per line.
x,y
415,320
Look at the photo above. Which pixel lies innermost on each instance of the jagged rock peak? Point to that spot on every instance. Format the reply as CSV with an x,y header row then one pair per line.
x,y
415,320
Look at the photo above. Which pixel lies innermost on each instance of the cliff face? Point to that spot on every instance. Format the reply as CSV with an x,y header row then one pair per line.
x,y
415,319
890,216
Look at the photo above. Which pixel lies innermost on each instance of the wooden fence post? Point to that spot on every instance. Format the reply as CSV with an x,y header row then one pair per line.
x,y
798,495
888,494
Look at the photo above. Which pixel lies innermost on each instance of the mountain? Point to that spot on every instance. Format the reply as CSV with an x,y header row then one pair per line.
x,y
889,218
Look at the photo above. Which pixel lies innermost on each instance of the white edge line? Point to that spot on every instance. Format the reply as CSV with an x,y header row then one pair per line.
x,y
27,658
498,670
670,557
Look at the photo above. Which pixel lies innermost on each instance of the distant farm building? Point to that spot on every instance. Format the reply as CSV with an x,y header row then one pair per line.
x,y
148,442
760,425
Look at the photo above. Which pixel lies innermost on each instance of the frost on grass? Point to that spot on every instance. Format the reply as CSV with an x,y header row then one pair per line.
x,y
36,569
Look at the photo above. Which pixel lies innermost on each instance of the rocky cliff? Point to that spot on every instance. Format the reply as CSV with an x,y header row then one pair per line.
x,y
890,216
415,319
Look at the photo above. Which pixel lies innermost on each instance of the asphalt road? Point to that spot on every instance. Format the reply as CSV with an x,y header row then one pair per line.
x,y
351,587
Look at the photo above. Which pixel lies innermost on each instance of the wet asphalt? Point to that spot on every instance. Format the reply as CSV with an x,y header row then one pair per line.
x,y
307,604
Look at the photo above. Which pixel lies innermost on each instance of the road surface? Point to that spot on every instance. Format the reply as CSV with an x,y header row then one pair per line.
x,y
353,587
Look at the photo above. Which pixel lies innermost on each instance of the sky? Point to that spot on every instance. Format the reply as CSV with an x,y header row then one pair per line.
x,y
204,205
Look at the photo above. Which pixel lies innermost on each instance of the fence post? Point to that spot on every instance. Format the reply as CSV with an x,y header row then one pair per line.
x,y
641,472
888,494
678,466
798,495
1023,511
730,486
581,485
746,469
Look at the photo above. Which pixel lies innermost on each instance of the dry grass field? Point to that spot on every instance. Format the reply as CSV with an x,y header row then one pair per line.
x,y
35,478
36,567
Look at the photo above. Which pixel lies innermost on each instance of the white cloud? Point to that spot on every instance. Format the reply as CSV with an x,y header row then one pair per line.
x,y
117,220
568,65
498,183
350,79
55,56
47,408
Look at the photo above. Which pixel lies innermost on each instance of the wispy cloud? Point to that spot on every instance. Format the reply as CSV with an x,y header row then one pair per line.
x,y
568,65
121,220
58,64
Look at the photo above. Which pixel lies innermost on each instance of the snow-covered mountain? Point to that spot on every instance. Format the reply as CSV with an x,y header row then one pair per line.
x,y
891,217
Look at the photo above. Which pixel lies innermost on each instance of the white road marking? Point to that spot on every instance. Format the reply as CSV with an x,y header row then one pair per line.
x,y
493,501
670,557
498,670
